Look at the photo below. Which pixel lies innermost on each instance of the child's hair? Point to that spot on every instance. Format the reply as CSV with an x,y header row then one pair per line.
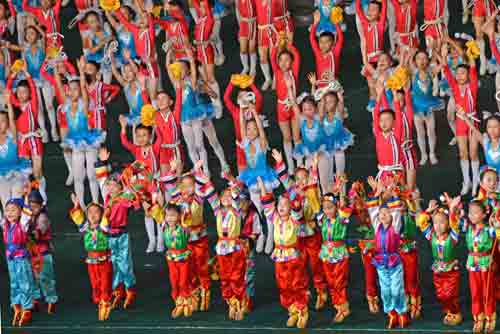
x,y
301,169
173,207
308,99
130,11
420,50
378,4
492,118
464,66
327,34
34,29
286,52
95,64
89,13
97,205
330,197
144,127
388,111
478,204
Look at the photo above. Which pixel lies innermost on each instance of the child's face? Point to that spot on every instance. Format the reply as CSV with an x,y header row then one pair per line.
x,y
164,101
384,62
325,44
74,90
60,67
12,213
401,97
308,109
31,36
35,208
331,102
440,223
330,209
285,62
128,73
142,22
90,69
301,177
188,186
23,94
373,12
142,137
490,181
385,217
172,217
454,53
46,4
462,76
476,214
93,22
252,131
421,60
4,123
493,128
284,207
226,199
386,122
114,187
94,215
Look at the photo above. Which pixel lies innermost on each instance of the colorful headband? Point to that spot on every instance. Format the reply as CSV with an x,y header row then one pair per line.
x,y
330,198
82,14
302,97
55,35
484,169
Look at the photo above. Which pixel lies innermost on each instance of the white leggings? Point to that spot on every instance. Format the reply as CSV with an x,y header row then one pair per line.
x,y
219,50
47,91
423,123
11,188
328,165
85,161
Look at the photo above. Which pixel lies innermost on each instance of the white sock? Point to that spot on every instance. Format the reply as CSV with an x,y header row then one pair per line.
x,y
464,164
91,159
266,70
482,52
339,162
421,145
431,134
475,171
209,130
150,230
325,169
43,188
160,247
67,160
244,62
289,157
253,63
217,102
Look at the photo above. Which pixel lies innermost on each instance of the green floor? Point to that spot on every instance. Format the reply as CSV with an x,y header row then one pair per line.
x,y
75,313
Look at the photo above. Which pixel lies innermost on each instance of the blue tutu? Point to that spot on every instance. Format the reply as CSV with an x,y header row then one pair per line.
x,y
425,104
336,136
10,163
312,139
195,106
325,26
444,87
257,166
219,10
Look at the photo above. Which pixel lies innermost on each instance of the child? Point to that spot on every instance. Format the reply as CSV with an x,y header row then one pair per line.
x,y
178,255
373,24
247,34
290,272
435,25
47,15
386,220
266,38
480,240
443,235
424,105
482,10
41,250
333,221
405,24
94,226
126,46
324,9
22,285
489,140
286,64
78,136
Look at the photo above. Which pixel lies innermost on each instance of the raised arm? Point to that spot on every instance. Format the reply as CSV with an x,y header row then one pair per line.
x,y
360,13
383,13
398,121
274,58
340,42
233,109
123,20
313,41
296,60
258,97
12,119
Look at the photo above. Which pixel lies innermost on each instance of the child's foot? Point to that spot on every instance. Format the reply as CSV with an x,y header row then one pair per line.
x,y
151,246
293,316
475,187
25,318
403,320
343,312
45,136
204,299
69,180
416,307
54,135
373,304
434,160
160,248
465,188
118,295
321,298
490,324
465,17
452,319
392,320
51,308
483,68
219,60
453,141
423,160
64,3
478,323
303,318
129,298
36,305
17,314
267,84
188,307
179,308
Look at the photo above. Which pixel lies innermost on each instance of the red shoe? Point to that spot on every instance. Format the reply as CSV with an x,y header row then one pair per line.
x,y
51,308
403,320
25,318
118,295
129,298
392,319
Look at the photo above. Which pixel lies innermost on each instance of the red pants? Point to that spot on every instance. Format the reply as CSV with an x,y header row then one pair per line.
x,y
309,249
101,278
410,268
205,53
371,277
337,276
232,269
292,283
483,8
199,263
267,36
447,285
30,147
180,278
248,30
482,292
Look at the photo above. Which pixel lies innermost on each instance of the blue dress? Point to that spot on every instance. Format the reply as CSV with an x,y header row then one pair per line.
x,y
371,103
257,167
194,105
3,77
125,42
423,101
79,136
11,165
491,155
335,136
135,103
312,139
97,56
34,62
325,24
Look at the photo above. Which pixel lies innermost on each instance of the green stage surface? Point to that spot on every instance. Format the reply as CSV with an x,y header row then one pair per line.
x,y
151,312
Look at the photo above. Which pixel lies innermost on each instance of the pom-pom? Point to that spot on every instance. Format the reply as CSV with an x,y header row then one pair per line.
x,y
241,80
336,15
53,52
17,66
176,70
148,113
472,50
109,5
156,11
398,79
283,40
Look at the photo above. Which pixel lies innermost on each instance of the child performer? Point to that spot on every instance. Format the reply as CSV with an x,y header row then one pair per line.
x,y
435,25
333,221
117,203
247,21
78,136
464,86
189,194
286,64
482,10
47,15
282,20
424,105
406,24
290,271
327,51
373,24
443,234
29,143
95,227
266,38
22,285
386,220
42,249
304,195
147,153
178,255
480,240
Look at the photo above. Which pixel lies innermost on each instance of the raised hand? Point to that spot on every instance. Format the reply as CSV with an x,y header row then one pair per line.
x,y
123,121
277,156
433,205
103,154
74,200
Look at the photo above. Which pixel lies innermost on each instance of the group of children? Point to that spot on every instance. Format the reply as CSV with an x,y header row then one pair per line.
x,y
307,224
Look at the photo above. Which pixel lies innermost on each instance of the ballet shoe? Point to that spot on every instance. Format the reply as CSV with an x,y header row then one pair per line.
x,y
25,318
69,180
434,160
51,308
343,311
465,188
392,320
129,298
321,299
303,318
151,246
17,314
266,85
423,160
293,316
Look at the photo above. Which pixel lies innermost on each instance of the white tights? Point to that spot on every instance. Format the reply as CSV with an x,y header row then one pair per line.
x,y
209,131
423,123
10,188
48,97
193,135
219,50
327,169
85,161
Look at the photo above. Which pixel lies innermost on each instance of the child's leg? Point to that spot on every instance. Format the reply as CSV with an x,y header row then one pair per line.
x,y
174,276
78,162
199,265
198,131
5,191
340,163
250,274
411,281
311,250
150,230
476,293
22,283
93,270
497,87
287,145
219,49
252,47
48,280
450,115
36,161
465,11
48,97
244,55
474,162
160,243
384,280
91,159
337,275
325,169
464,163
398,297
371,290
41,117
126,265
478,24
214,86
265,67
430,122
189,137
420,128
68,160
391,18
209,130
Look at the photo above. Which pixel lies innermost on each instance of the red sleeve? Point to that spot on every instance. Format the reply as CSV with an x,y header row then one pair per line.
x,y
474,82
69,66
123,20
258,98
127,144
178,106
145,97
361,14
162,23
34,97
337,52
33,10
451,81
376,115
274,61
12,9
383,13
57,8
52,80
313,41
398,122
63,122
157,143
13,98
110,91
151,28
296,61
494,49
233,109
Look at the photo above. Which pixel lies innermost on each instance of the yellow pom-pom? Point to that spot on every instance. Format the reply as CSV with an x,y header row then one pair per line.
x,y
336,15
148,113
156,11
176,70
109,5
283,40
236,79
52,52
473,51
398,79
245,81
17,66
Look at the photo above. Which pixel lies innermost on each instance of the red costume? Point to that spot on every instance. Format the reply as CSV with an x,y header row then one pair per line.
x,y
29,142
267,35
373,32
148,155
286,83
177,35
100,94
434,26
70,72
281,16
247,18
49,19
167,128
406,23
409,154
327,64
483,8
465,99
235,113
203,31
